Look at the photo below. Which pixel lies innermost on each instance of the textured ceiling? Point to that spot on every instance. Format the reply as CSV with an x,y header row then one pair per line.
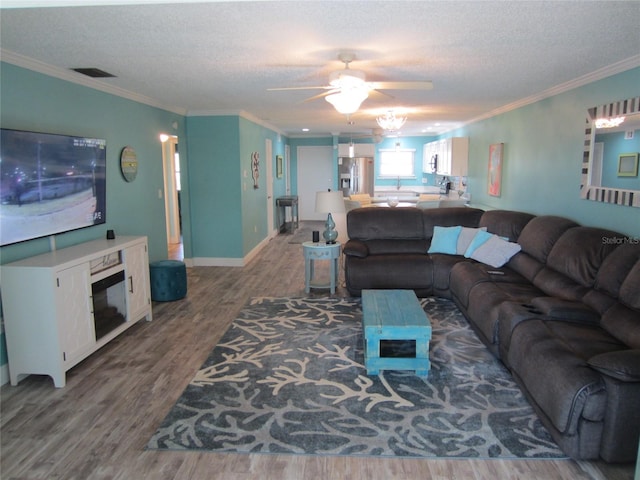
x,y
215,57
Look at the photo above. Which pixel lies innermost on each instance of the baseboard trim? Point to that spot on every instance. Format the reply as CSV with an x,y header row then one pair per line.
x,y
229,262
4,374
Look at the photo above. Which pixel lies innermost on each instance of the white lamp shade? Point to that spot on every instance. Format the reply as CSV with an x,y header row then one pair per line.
x,y
347,101
329,202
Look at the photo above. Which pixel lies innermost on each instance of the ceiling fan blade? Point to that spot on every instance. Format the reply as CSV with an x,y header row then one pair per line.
x,y
298,88
379,95
401,85
320,95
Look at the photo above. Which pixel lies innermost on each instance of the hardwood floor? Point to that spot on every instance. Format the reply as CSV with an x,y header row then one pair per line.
x,y
98,425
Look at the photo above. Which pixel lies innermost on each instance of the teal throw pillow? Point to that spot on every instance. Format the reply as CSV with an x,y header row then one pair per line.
x,y
465,238
480,238
445,240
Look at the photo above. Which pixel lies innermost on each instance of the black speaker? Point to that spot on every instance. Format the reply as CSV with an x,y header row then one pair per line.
x,y
316,236
111,235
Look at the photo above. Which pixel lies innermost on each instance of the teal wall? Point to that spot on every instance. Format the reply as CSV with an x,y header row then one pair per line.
x,y
213,144
541,174
36,102
229,215
32,101
254,201
543,149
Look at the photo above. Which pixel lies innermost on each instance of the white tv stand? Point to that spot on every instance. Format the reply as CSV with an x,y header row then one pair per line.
x,y
61,306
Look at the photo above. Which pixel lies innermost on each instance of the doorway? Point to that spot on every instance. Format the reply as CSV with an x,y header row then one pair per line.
x,y
315,174
268,147
172,187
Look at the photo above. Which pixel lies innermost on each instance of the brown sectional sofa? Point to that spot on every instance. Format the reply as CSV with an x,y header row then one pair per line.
x,y
563,314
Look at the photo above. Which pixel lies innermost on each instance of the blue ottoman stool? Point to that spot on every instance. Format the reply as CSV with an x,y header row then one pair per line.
x,y
168,280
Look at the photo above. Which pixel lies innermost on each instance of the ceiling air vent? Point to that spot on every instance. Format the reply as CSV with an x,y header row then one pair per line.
x,y
93,72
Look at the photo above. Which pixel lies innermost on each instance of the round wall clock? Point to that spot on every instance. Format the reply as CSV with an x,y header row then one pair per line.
x,y
129,164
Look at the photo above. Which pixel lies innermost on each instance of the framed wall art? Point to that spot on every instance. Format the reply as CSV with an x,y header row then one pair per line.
x,y
255,168
628,165
279,166
495,169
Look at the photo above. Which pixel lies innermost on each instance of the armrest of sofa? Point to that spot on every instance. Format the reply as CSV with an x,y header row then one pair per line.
x,y
561,309
621,374
356,248
623,365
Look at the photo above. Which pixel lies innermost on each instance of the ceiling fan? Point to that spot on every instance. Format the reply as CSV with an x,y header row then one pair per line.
x,y
348,88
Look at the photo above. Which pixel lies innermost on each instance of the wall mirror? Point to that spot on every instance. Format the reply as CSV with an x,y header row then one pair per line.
x,y
612,132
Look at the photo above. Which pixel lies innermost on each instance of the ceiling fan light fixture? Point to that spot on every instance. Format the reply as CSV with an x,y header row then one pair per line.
x,y
609,122
347,78
347,100
390,122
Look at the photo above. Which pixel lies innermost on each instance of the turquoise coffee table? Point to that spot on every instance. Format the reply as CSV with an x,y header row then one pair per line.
x,y
390,316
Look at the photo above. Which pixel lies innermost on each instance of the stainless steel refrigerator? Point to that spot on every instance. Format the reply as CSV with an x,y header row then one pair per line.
x,y
356,175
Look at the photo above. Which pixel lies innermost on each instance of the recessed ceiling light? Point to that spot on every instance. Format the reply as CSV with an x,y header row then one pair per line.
x,y
305,129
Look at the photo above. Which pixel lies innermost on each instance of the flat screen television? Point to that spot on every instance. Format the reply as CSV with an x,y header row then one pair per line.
x,y
50,184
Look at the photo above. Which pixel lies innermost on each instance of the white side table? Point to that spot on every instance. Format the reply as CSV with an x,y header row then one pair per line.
x,y
320,251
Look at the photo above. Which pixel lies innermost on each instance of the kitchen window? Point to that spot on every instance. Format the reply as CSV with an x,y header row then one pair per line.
x,y
397,163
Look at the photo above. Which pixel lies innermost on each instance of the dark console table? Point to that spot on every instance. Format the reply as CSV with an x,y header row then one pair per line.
x,y
282,203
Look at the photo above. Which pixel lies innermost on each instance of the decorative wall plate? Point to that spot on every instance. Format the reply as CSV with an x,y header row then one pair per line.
x,y
129,164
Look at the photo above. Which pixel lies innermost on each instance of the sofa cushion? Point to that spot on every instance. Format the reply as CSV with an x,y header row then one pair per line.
x,y
449,217
566,310
392,271
505,223
445,240
442,267
378,223
356,248
623,323
485,300
541,233
525,265
397,246
622,365
579,253
556,284
615,269
630,288
558,380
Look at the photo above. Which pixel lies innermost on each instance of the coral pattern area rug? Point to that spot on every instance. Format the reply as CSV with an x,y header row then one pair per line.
x,y
288,377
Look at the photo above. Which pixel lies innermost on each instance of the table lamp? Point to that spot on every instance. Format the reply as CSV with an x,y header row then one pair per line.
x,y
327,202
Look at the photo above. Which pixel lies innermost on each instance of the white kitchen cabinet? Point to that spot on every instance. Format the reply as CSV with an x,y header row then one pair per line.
x,y
429,151
453,156
61,306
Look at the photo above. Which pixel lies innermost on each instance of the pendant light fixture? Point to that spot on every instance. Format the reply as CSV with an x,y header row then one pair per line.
x,y
390,122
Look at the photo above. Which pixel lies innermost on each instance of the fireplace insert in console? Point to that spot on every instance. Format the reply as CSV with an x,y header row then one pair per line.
x,y
109,303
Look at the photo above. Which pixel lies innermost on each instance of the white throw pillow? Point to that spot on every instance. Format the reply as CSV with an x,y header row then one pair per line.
x,y
495,252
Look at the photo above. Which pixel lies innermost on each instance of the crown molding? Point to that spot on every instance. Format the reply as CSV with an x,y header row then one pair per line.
x,y
237,113
79,79
613,69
